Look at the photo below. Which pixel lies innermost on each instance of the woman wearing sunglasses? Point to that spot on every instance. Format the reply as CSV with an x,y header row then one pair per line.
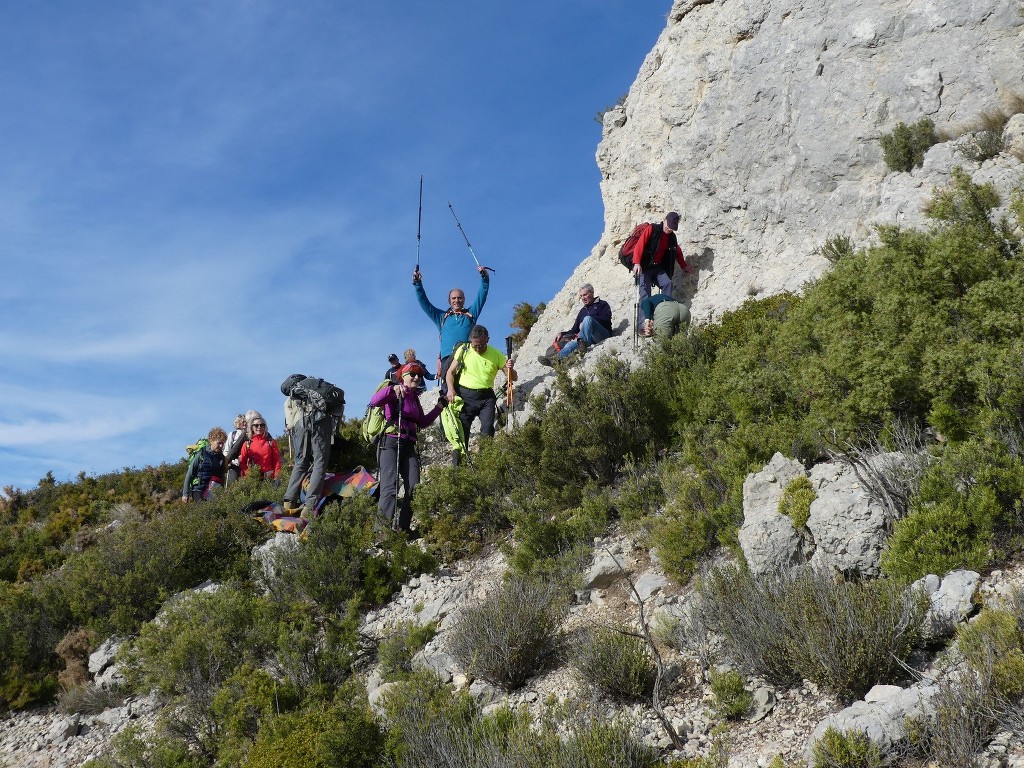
x,y
396,450
260,449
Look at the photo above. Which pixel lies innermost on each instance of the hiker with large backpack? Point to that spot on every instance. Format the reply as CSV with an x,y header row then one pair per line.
x,y
593,325
453,324
396,447
260,450
651,253
320,406
205,467
471,378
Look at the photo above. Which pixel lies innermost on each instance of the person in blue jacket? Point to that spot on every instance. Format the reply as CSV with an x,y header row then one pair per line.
x,y
455,323
593,325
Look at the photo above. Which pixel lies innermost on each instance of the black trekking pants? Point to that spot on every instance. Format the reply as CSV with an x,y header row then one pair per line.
x,y
397,458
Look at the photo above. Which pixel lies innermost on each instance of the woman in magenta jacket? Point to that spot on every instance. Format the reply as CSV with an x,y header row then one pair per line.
x,y
396,450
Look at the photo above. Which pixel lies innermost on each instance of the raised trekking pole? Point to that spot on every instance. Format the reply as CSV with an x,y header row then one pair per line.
x,y
419,225
459,225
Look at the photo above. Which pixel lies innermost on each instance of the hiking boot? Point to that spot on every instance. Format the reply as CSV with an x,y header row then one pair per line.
x,y
545,360
581,347
291,507
306,514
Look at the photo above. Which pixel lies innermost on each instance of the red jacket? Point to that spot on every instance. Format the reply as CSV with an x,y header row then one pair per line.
x,y
665,242
263,453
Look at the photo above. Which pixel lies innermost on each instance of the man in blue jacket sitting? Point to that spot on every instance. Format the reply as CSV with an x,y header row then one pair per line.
x,y
593,324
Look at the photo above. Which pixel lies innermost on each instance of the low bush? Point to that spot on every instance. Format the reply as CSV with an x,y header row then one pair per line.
x,y
614,662
986,139
118,583
133,749
556,544
199,642
87,699
850,749
430,725
732,699
836,247
904,148
337,563
845,636
344,735
796,501
395,652
966,508
511,633
983,689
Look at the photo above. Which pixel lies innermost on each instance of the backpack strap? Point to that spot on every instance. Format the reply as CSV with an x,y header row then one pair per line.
x,y
448,313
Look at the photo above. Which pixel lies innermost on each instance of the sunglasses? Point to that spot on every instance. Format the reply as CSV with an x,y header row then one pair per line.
x,y
259,426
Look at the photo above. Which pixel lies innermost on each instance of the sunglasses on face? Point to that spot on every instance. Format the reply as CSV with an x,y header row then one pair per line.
x,y
259,426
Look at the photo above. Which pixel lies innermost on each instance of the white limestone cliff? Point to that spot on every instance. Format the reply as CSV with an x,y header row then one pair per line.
x,y
759,120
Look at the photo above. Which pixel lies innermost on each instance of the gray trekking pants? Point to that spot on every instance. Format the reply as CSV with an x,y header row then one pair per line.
x,y
312,446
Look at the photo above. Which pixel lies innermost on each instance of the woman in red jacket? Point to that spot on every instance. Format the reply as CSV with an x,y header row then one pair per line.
x,y
260,450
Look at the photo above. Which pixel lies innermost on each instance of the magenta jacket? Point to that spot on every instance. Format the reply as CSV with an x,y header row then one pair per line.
x,y
413,416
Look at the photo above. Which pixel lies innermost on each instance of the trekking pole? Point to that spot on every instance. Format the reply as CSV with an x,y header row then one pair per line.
x,y
636,315
419,225
398,464
510,398
459,225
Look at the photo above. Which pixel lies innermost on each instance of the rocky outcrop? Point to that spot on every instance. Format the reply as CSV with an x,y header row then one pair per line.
x,y
759,121
882,715
845,530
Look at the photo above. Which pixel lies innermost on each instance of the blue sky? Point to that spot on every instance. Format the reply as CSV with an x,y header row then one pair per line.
x,y
202,197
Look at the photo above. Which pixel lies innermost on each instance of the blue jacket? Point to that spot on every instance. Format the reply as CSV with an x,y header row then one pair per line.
x,y
454,329
204,467
597,309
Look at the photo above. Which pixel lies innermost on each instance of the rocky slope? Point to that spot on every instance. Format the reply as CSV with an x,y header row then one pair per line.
x,y
759,121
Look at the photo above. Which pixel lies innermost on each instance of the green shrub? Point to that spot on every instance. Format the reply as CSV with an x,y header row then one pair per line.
x,y
341,736
732,699
199,642
796,501
786,627
556,544
965,508
431,725
248,698
986,140
851,749
395,652
993,645
88,699
640,493
904,148
836,247
132,749
120,582
337,563
511,633
614,662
